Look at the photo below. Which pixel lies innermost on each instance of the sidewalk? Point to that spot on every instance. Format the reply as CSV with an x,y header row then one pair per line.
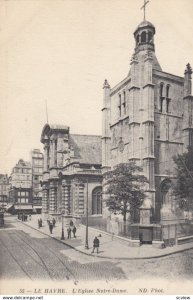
x,y
110,247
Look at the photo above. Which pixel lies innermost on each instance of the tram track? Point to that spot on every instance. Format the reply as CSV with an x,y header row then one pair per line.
x,y
15,259
43,263
69,275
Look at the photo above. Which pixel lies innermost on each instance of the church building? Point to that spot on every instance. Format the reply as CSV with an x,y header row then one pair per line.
x,y
71,174
147,117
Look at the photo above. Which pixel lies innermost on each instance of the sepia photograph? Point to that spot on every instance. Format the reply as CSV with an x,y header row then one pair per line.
x,y
96,156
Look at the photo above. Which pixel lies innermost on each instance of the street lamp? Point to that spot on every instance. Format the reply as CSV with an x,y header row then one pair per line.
x,y
86,239
62,236
19,201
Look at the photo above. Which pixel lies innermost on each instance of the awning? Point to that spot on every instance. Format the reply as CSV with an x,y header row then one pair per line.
x,y
8,206
23,207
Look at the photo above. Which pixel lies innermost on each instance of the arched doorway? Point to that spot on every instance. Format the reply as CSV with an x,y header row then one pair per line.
x,y
97,201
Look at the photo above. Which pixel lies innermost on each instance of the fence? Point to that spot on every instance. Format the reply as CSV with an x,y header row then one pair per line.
x,y
168,233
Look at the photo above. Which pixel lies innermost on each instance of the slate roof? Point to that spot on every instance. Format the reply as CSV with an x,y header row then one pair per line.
x,y
87,148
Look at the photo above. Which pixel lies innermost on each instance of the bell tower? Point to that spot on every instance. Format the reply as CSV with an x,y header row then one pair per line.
x,y
144,37
142,95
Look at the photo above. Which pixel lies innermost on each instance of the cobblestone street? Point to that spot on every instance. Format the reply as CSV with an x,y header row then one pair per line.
x,y
27,253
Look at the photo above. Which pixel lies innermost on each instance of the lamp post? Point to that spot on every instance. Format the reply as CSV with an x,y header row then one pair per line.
x,y
86,239
19,201
62,236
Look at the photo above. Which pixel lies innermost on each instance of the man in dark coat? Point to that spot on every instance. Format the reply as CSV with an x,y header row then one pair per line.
x,y
74,230
69,232
54,222
51,227
96,243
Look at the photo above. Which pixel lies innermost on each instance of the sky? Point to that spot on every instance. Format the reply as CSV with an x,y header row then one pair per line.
x,y
60,52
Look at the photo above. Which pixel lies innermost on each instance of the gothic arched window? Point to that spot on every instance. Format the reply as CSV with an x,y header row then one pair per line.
x,y
97,201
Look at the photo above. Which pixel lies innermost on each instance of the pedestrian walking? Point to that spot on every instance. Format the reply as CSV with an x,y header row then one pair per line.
x,y
30,217
74,231
96,243
69,232
54,222
51,226
38,223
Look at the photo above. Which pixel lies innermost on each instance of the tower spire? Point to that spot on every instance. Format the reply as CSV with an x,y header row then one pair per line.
x,y
144,7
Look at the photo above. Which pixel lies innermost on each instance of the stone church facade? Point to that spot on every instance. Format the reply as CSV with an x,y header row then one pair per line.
x,y
71,174
147,117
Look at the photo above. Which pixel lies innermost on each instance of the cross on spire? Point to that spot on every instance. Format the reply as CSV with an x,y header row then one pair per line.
x,y
144,7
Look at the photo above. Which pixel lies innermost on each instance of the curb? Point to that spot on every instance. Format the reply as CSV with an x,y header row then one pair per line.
x,y
107,257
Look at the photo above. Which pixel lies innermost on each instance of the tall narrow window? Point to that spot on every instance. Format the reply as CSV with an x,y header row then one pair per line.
x,y
167,91
55,153
97,201
167,105
124,103
119,105
161,96
48,158
161,89
149,36
167,98
143,37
